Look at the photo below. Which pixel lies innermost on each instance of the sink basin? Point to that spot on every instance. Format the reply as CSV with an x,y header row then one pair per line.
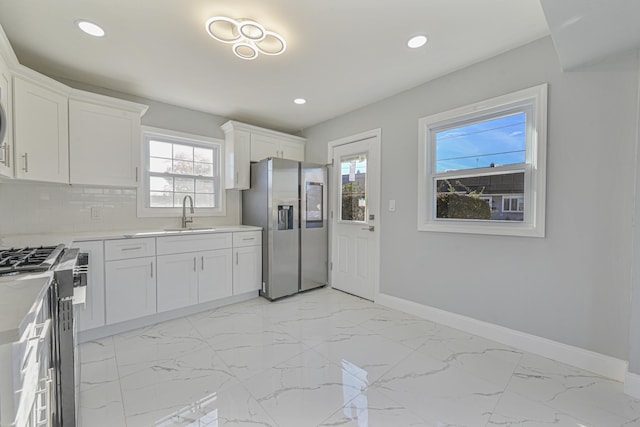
x,y
170,231
188,229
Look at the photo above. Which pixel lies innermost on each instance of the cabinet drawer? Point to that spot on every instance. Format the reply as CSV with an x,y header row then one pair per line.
x,y
247,238
194,243
129,248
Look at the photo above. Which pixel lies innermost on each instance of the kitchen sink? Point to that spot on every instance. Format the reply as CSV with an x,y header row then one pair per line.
x,y
170,231
188,229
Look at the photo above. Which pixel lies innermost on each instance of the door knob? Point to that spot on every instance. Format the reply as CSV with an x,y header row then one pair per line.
x,y
369,228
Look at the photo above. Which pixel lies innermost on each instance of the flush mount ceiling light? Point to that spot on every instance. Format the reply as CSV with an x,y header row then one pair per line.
x,y
249,38
417,41
90,28
300,101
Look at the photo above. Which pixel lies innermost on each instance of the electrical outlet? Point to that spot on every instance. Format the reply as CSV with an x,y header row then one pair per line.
x,y
95,213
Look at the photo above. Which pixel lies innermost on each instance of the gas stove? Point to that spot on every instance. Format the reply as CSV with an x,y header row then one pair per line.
x,y
29,259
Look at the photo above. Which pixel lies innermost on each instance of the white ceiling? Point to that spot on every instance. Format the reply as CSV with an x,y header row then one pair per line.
x,y
341,54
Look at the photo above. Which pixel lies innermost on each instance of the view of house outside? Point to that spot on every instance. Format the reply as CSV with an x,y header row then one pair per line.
x,y
354,186
490,143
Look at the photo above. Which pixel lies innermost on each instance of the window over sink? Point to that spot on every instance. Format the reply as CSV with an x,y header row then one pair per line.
x,y
176,165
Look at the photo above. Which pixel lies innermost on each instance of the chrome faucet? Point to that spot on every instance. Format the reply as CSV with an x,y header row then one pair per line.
x,y
185,221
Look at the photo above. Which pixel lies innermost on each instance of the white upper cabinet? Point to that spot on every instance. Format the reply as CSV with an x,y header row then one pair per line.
x,y
104,143
264,146
246,143
41,132
6,141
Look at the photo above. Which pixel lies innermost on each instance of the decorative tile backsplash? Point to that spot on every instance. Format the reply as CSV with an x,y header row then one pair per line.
x,y
28,208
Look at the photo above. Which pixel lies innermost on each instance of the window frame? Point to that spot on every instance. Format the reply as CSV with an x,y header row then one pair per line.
x,y
532,100
165,135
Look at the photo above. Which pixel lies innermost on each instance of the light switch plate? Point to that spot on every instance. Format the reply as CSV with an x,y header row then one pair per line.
x,y
392,205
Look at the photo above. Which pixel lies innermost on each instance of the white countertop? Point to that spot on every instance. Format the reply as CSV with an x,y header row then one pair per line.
x,y
20,240
19,299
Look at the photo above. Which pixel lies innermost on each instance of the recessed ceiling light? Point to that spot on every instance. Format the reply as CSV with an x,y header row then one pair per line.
x,y
90,28
417,41
300,101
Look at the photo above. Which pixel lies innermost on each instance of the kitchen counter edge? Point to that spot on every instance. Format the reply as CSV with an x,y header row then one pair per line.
x,y
20,240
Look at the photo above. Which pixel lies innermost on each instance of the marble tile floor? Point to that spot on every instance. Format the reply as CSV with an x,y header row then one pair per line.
x,y
325,358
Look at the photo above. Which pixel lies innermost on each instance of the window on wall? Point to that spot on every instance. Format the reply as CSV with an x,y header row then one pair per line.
x,y
482,166
179,165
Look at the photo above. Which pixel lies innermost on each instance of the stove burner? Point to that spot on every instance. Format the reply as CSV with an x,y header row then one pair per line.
x,y
13,261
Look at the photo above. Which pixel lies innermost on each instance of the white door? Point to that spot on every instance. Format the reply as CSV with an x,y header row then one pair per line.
x,y
355,215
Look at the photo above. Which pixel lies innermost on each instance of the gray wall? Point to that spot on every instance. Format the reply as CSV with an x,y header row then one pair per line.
x,y
573,286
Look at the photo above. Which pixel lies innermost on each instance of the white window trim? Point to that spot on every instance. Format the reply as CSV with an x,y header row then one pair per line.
x,y
535,166
143,192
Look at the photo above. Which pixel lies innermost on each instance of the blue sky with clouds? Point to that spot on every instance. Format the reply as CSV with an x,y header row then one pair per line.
x,y
500,141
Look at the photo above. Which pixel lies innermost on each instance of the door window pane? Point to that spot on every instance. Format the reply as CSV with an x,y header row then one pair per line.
x,y
353,195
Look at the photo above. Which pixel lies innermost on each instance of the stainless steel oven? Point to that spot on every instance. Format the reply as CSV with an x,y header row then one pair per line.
x,y
48,373
70,278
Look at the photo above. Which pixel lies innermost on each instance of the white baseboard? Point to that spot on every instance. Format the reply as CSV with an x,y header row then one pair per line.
x,y
632,385
601,364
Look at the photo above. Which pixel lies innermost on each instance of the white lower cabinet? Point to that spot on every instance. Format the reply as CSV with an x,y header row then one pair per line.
x,y
137,277
247,261
215,277
247,269
130,288
92,315
177,281
191,278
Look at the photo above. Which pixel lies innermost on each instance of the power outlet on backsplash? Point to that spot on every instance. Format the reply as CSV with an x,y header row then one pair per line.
x,y
96,213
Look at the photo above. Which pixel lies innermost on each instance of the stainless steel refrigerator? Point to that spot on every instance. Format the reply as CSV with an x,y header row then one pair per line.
x,y
288,199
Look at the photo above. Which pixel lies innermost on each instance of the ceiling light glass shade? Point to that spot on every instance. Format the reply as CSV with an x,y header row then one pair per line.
x,y
223,29
300,101
249,37
245,50
90,28
252,30
417,41
272,44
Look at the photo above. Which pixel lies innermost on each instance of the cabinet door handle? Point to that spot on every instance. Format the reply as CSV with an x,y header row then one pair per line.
x,y
25,156
236,177
248,238
202,263
194,263
133,248
136,174
236,258
152,269
8,161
